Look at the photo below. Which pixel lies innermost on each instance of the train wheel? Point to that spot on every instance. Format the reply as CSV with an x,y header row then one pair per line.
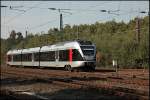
x,y
65,67
68,67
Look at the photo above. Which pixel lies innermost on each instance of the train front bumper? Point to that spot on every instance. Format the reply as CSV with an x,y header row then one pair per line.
x,y
90,64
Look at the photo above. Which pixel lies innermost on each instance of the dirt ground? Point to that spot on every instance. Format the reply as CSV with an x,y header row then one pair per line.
x,y
52,84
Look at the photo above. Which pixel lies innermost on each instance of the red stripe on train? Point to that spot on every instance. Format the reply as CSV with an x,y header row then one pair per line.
x,y
70,56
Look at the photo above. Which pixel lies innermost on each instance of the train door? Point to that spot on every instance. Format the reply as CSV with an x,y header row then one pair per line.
x,y
56,58
32,56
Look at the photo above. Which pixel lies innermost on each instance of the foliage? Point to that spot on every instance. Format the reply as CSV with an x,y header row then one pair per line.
x,y
114,40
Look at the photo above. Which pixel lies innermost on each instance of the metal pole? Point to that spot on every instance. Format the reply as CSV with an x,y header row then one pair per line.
x,y
138,29
61,22
26,33
77,32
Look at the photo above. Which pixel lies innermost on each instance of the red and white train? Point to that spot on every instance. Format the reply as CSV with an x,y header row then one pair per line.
x,y
69,54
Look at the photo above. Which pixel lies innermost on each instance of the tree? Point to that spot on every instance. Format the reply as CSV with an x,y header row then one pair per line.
x,y
114,40
19,37
13,35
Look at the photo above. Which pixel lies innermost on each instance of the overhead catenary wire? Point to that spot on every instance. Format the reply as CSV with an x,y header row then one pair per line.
x,y
43,24
5,20
119,4
87,10
40,25
83,10
99,5
16,8
18,15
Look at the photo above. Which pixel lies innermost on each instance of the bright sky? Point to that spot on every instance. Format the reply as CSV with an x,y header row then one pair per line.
x,y
37,17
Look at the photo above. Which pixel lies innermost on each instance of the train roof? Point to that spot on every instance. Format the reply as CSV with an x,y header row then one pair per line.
x,y
31,50
14,51
61,45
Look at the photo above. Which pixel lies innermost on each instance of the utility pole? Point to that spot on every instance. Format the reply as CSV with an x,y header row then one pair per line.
x,y
138,26
61,17
25,40
61,22
77,32
138,34
138,29
26,33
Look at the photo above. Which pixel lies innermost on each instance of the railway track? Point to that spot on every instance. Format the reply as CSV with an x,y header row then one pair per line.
x,y
85,76
68,79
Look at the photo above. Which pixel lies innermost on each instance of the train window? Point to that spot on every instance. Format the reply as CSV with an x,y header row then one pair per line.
x,y
88,50
52,55
17,57
64,55
47,56
9,58
43,56
27,57
76,56
36,56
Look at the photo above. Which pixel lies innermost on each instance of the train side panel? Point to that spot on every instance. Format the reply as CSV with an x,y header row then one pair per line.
x,y
48,64
73,63
15,63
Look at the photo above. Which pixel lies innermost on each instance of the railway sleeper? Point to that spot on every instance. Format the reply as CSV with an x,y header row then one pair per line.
x,y
127,90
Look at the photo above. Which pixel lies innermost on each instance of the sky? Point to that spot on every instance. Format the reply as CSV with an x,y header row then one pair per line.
x,y
36,18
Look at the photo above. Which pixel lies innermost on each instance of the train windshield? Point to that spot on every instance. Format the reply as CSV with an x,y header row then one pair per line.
x,y
88,50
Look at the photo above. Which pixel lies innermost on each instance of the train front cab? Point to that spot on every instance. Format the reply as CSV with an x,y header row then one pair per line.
x,y
89,56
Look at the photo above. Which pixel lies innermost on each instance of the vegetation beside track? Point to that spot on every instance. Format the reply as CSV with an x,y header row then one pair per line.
x,y
114,40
